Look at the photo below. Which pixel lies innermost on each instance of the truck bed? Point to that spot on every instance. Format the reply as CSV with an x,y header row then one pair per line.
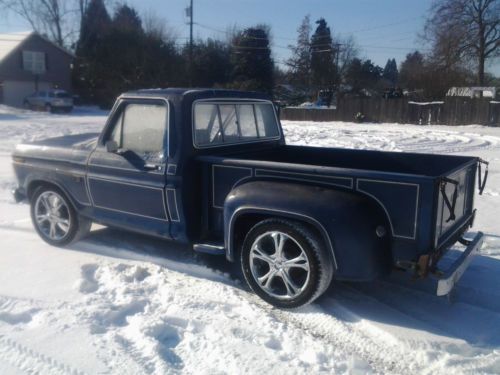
x,y
410,187
394,162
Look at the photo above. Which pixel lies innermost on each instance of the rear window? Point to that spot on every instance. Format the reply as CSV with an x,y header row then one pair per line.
x,y
62,94
229,123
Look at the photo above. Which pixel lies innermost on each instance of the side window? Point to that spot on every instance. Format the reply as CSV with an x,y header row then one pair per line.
x,y
141,128
229,121
207,124
266,120
247,121
116,135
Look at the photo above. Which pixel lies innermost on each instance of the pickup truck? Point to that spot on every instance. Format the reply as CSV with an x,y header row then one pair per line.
x,y
211,169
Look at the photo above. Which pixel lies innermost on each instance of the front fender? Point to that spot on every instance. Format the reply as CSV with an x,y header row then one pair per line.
x,y
346,221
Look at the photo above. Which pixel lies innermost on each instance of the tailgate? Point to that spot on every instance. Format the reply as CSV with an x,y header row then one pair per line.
x,y
455,201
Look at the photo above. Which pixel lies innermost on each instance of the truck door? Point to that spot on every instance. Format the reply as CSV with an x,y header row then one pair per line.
x,y
126,173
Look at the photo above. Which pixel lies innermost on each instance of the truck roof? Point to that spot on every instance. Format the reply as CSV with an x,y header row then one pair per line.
x,y
196,93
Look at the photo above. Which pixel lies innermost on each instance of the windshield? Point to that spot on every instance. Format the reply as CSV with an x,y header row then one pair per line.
x,y
237,122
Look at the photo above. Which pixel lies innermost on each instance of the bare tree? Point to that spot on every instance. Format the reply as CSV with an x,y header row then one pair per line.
x,y
347,51
464,30
58,20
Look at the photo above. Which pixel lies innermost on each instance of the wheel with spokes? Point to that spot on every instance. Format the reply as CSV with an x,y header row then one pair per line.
x,y
284,263
54,217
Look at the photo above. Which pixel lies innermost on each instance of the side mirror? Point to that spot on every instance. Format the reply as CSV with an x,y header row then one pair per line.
x,y
112,146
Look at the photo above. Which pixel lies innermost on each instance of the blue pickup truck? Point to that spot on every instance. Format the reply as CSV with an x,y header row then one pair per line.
x,y
211,169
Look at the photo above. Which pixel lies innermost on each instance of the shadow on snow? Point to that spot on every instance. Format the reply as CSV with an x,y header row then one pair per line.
x,y
397,301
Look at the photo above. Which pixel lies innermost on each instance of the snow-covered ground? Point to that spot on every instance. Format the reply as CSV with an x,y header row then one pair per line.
x,y
118,303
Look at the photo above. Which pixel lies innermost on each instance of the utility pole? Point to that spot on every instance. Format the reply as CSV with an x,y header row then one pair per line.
x,y
189,13
337,73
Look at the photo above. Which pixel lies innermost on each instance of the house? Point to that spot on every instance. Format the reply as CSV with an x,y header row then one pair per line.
x,y
28,63
474,92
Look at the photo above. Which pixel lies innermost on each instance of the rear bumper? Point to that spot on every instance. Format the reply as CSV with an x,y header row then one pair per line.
x,y
450,277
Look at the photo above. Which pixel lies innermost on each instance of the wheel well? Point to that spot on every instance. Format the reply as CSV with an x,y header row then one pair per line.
x,y
38,183
246,221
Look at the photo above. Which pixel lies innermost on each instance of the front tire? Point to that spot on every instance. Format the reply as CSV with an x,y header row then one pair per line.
x,y
285,264
54,217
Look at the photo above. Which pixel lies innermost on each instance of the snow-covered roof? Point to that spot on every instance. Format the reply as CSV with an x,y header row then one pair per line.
x,y
9,42
488,92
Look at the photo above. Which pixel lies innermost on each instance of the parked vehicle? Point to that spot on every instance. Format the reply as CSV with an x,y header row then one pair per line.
x,y
50,101
210,169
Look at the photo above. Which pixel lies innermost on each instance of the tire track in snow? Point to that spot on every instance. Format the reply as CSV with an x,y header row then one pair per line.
x,y
31,361
382,358
456,352
405,138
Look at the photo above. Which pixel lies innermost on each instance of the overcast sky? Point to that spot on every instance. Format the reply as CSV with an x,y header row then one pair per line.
x,y
382,29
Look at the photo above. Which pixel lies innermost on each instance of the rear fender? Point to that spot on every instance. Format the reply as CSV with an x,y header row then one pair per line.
x,y
346,222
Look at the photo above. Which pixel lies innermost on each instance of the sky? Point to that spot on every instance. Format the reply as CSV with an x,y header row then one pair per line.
x,y
382,29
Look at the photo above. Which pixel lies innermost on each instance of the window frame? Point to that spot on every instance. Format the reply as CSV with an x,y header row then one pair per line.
x,y
234,102
118,110
34,57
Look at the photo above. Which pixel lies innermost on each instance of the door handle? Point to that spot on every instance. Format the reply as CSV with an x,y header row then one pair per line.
x,y
152,167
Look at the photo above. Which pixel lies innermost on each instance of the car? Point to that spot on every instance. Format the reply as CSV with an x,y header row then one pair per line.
x,y
210,169
50,101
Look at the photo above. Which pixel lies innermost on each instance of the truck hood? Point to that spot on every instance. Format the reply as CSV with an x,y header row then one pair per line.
x,y
71,148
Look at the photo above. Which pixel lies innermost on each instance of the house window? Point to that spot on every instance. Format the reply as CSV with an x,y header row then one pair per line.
x,y
34,62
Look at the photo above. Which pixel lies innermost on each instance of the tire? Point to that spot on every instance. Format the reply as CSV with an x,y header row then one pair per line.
x,y
48,108
276,279
56,226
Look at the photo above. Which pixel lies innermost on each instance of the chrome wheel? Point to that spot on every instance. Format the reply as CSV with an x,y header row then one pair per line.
x,y
52,216
279,265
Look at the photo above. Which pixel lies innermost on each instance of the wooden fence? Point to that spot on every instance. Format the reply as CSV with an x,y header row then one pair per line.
x,y
452,111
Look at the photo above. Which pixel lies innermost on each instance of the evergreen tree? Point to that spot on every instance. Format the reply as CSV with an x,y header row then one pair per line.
x,y
362,75
211,63
253,66
353,75
89,74
300,62
412,71
95,23
390,73
322,66
127,18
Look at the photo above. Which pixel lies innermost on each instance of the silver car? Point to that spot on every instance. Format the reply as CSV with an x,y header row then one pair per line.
x,y
50,100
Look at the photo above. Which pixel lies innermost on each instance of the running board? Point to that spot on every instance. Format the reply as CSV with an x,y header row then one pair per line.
x,y
209,248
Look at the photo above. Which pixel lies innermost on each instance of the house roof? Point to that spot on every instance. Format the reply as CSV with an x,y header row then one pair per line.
x,y
10,42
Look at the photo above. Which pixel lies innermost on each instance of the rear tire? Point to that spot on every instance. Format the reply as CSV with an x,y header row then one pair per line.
x,y
285,263
54,217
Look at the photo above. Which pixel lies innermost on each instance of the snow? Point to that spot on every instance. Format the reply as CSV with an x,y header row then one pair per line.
x,y
120,303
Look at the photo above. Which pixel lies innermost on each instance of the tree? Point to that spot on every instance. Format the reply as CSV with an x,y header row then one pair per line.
x,y
89,73
464,29
211,63
253,66
127,18
412,72
51,18
300,62
362,75
322,51
390,73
